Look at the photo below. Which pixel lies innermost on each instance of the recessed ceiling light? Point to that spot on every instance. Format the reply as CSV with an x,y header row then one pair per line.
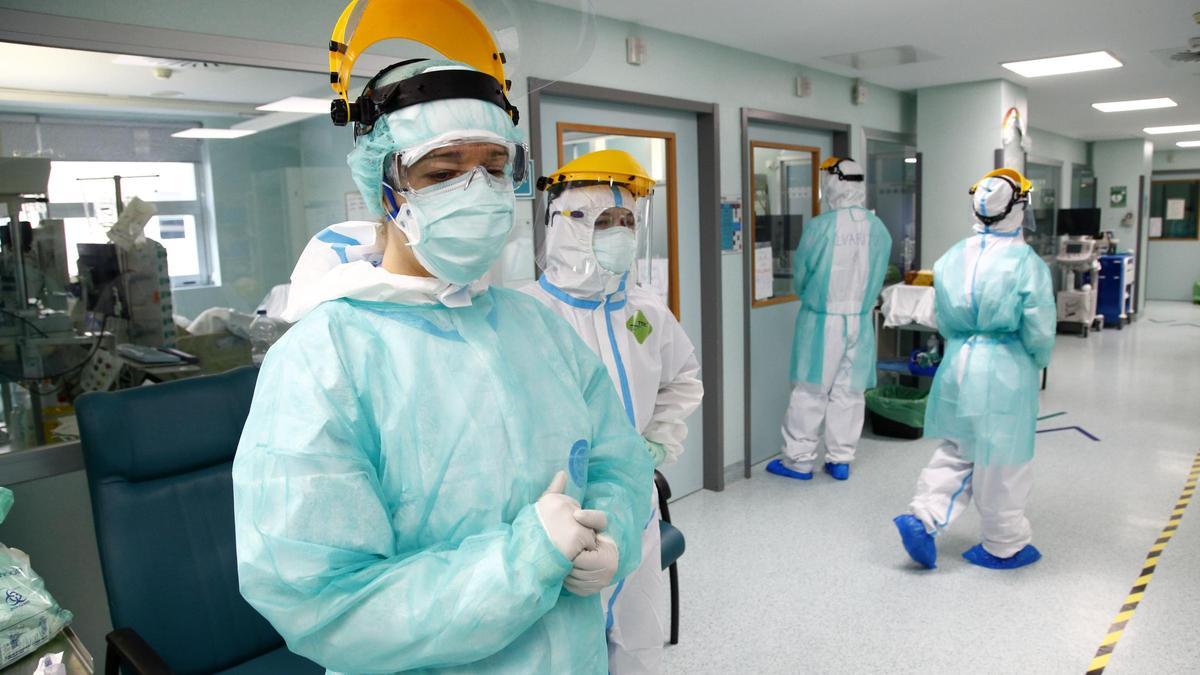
x,y
1188,144
201,132
1177,129
1061,65
1138,104
168,93
298,104
910,160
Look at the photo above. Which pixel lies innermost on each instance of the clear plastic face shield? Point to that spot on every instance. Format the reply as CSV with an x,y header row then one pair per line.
x,y
595,234
455,163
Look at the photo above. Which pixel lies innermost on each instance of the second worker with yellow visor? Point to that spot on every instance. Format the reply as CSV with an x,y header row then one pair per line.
x,y
597,227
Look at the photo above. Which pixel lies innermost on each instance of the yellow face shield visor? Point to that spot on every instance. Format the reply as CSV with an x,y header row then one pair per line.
x,y
1011,175
447,26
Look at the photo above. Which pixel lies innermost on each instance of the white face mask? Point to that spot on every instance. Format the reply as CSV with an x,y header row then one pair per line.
x,y
458,234
615,248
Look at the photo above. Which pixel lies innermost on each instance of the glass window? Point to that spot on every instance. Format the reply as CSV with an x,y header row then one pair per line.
x,y
232,216
91,188
1173,209
785,197
1043,202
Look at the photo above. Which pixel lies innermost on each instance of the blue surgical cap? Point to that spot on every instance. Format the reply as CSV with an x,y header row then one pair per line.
x,y
419,124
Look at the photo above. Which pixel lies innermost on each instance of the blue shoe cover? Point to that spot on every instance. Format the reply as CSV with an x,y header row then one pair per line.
x,y
1026,556
917,541
776,467
838,471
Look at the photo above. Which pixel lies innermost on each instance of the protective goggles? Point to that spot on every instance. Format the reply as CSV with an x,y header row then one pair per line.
x,y
1018,196
446,165
833,166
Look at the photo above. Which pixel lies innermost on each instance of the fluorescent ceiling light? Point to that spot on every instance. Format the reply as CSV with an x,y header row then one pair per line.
x,y
1177,129
201,132
1188,144
1061,65
1139,104
298,104
910,160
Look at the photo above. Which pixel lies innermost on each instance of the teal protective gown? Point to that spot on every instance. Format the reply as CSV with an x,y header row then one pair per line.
x,y
385,482
831,284
995,307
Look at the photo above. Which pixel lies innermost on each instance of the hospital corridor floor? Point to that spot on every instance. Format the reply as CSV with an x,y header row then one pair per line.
x,y
782,576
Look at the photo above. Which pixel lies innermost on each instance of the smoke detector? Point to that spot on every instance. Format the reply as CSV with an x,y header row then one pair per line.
x,y
170,64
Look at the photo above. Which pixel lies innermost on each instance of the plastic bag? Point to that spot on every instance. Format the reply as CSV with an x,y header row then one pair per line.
x,y
29,616
898,403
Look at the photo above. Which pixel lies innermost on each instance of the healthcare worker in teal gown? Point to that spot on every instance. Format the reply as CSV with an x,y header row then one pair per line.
x,y
838,272
436,475
995,306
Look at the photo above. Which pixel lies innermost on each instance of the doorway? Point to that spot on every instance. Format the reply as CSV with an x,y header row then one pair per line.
x,y
676,140
769,322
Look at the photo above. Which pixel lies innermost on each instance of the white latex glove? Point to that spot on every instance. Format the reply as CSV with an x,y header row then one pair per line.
x,y
594,569
557,511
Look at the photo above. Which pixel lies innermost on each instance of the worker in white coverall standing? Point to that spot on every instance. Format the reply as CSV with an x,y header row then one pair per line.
x,y
598,211
838,273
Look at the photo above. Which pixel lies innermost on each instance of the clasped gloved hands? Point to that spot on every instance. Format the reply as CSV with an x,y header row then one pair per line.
x,y
577,533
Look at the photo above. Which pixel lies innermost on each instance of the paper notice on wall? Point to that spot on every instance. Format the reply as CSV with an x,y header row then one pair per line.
x,y
1155,227
1175,209
764,271
356,207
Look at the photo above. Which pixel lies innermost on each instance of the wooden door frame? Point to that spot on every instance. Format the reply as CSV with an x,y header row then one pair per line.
x,y
816,204
561,128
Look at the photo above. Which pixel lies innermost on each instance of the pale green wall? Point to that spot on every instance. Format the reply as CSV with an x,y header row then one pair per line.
x,y
1123,163
1172,267
1047,145
1177,160
958,132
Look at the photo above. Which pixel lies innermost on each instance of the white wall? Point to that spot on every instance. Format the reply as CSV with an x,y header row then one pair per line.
x,y
1123,163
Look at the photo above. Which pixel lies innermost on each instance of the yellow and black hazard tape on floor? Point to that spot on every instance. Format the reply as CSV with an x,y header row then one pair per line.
x,y
1104,653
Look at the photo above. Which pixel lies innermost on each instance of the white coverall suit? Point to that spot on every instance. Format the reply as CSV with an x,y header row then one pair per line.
x,y
657,376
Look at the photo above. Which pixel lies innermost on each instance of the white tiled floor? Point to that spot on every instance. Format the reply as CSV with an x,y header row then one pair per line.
x,y
785,577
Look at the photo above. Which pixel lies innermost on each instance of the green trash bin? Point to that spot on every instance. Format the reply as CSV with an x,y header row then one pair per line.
x,y
1196,293
897,411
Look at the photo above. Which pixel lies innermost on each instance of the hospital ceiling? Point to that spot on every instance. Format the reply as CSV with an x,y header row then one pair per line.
x,y
969,40
952,41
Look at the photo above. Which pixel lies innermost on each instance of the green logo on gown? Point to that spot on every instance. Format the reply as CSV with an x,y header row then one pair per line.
x,y
639,326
